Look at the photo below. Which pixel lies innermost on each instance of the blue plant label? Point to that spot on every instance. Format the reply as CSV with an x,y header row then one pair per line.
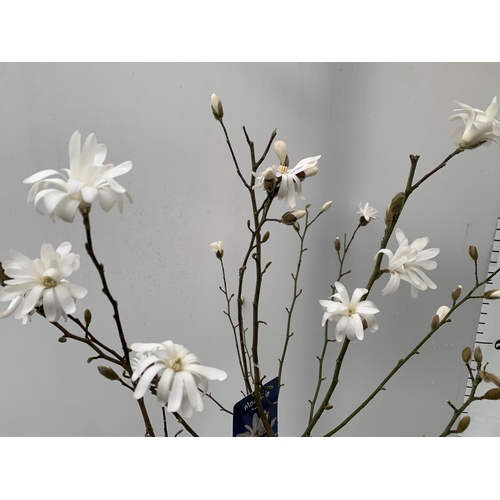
x,y
246,420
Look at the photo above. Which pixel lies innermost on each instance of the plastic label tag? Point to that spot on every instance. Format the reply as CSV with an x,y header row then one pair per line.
x,y
246,420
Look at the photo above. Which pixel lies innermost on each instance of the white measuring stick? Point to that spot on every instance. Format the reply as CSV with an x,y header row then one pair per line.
x,y
485,415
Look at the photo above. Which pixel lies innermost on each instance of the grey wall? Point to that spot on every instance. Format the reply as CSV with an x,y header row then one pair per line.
x,y
364,119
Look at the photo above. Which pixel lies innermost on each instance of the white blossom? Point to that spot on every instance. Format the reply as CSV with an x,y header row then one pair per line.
x,y
349,313
41,282
478,127
368,212
179,373
79,186
408,264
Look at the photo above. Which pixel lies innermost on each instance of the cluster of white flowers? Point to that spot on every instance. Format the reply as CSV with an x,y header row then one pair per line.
x,y
41,282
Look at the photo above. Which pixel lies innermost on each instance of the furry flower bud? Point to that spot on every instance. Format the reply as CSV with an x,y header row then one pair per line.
x,y
478,355
281,152
455,295
492,394
473,253
336,243
108,373
463,424
326,206
492,294
217,109
397,204
467,354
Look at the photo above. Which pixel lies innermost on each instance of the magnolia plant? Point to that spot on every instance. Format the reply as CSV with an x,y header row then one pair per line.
x,y
170,371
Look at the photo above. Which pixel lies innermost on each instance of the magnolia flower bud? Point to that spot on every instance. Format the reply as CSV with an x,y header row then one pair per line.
x,y
266,236
473,253
435,321
108,373
87,316
289,218
478,355
326,206
397,204
467,354
62,339
336,243
217,110
280,150
455,295
492,394
492,294
216,247
463,424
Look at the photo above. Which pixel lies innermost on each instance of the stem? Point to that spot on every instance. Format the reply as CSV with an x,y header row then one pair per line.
x,y
144,412
105,290
233,326
87,341
209,395
458,411
185,424
258,283
377,273
414,351
296,294
94,339
164,415
432,172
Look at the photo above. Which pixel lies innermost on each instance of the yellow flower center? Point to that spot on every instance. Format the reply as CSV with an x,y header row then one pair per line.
x,y
282,169
49,282
177,366
350,312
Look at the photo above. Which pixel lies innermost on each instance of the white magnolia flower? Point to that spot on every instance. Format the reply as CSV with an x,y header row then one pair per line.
x,y
349,313
407,262
79,186
257,428
41,282
179,372
217,247
479,127
290,179
368,212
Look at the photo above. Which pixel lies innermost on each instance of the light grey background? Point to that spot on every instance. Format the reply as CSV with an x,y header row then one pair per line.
x,y
364,119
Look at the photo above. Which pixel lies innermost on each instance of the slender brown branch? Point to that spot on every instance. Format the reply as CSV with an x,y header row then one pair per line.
x,y
432,172
296,293
458,411
164,415
209,395
403,361
106,291
89,342
93,338
185,424
235,161
229,316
